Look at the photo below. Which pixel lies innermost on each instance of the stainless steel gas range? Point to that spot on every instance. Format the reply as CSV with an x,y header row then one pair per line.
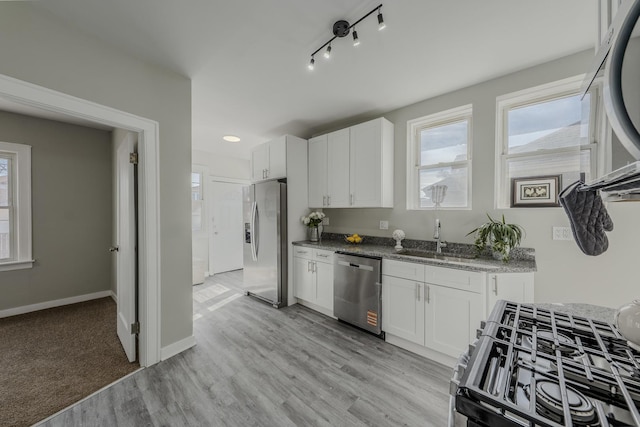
x,y
535,367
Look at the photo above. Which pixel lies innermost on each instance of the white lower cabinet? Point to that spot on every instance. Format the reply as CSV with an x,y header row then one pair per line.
x,y
516,287
436,311
451,319
403,308
313,278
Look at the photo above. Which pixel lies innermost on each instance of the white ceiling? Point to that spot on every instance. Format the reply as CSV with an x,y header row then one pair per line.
x,y
248,59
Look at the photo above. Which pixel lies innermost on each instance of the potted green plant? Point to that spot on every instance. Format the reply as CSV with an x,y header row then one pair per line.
x,y
502,237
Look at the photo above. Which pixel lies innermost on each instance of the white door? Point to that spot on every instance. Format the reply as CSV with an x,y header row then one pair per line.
x,y
318,172
338,168
403,308
125,244
365,164
226,227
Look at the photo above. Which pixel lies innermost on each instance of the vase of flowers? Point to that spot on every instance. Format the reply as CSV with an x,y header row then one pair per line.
x,y
313,220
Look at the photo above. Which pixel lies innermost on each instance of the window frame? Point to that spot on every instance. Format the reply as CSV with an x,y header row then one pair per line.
x,y
414,127
20,202
534,95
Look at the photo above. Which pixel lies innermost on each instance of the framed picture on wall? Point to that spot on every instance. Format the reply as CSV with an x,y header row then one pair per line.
x,y
535,192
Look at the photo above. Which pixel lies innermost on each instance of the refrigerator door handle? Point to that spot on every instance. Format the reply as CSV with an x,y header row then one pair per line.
x,y
254,254
256,233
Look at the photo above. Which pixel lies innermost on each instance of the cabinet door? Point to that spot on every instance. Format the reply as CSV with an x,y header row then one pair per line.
x,y
403,308
318,172
452,317
516,287
324,285
338,168
277,167
366,164
259,162
303,280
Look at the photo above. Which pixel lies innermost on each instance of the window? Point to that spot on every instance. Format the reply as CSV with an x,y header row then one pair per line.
x,y
542,131
15,206
439,160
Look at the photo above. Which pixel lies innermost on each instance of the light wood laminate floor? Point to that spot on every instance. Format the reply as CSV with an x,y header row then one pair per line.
x,y
254,365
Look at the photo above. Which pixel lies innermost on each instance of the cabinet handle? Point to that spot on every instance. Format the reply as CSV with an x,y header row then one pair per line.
x,y
328,200
323,256
418,291
351,196
495,285
266,173
313,267
324,200
308,266
263,170
427,295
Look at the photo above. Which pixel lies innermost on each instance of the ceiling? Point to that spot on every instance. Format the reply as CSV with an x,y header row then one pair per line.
x,y
248,59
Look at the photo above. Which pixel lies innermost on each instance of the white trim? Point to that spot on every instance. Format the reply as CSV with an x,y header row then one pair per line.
x,y
16,265
51,304
86,398
114,297
177,347
441,118
229,180
149,200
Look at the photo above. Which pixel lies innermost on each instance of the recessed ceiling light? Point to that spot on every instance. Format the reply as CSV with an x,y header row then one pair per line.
x,y
231,138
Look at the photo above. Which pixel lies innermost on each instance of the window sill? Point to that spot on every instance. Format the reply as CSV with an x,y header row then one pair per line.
x,y
16,265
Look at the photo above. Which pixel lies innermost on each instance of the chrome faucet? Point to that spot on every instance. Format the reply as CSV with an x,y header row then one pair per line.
x,y
436,235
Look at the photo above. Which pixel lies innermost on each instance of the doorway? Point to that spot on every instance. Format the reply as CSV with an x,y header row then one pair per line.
x,y
38,98
226,235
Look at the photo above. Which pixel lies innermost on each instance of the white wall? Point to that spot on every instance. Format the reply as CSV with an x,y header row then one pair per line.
x,y
37,48
564,274
223,166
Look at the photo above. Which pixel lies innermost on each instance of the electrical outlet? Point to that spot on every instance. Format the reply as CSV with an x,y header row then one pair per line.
x,y
325,220
384,225
562,233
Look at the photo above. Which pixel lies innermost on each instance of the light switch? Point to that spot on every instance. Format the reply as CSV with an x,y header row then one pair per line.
x,y
384,225
562,233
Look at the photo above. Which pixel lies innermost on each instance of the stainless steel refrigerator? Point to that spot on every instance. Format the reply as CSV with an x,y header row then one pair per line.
x,y
265,241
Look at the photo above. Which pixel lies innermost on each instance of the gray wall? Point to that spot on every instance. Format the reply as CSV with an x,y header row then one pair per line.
x,y
564,273
37,48
72,210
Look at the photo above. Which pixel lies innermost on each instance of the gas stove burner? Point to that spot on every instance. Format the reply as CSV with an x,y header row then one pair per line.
x,y
545,341
549,403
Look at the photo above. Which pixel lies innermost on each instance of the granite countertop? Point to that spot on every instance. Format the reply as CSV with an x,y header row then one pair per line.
x,y
522,260
595,312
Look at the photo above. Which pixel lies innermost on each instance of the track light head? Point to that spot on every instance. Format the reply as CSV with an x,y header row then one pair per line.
x,y
327,53
356,41
381,24
312,64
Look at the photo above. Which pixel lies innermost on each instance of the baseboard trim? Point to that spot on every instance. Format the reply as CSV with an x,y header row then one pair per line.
x,y
114,297
51,304
177,347
421,350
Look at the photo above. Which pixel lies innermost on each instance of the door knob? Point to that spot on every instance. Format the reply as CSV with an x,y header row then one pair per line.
x,y
114,249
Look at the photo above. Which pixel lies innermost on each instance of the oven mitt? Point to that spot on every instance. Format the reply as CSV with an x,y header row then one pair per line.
x,y
589,218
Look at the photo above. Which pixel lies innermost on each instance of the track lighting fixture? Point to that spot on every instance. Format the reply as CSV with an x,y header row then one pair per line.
x,y
341,29
381,24
327,53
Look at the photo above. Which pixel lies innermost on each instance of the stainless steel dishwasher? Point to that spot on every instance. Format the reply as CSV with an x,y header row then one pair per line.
x,y
357,291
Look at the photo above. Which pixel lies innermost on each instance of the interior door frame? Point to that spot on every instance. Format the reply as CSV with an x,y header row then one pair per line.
x,y
148,191
210,208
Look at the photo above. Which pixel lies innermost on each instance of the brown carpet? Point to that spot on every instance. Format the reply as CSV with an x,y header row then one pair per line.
x,y
52,358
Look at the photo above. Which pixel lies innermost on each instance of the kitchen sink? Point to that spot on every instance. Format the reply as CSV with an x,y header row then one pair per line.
x,y
467,260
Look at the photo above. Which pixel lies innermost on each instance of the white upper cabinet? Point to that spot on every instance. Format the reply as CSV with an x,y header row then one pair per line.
x,y
269,160
359,167
318,171
338,169
371,164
